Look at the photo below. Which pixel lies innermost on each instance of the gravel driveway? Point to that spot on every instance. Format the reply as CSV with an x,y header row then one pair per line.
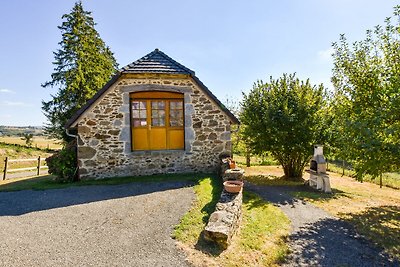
x,y
121,225
318,239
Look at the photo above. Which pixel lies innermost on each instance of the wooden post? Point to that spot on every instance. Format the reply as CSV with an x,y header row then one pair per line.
x,y
343,167
38,166
380,181
5,168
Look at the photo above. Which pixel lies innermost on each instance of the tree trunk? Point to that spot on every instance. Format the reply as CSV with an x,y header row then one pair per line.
x,y
342,167
380,181
248,159
293,172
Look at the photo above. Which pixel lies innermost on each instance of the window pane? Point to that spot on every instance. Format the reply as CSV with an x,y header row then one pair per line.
x,y
161,105
143,114
143,122
154,113
176,116
142,104
176,104
135,105
162,117
135,113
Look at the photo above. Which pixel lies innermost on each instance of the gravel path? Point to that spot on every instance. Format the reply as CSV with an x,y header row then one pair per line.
x,y
122,225
318,239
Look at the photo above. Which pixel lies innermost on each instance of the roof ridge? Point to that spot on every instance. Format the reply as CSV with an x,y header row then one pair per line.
x,y
174,61
176,66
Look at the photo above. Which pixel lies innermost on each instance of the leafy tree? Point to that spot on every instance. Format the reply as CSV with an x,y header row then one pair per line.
x,y
83,64
284,117
240,142
366,77
27,137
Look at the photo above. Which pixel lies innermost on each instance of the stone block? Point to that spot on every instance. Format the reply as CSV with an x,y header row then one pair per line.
x,y
86,152
224,222
233,174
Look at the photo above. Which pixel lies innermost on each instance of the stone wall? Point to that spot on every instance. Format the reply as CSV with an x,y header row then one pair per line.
x,y
104,144
224,221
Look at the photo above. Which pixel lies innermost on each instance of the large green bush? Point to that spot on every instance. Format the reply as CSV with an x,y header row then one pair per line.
x,y
285,117
63,164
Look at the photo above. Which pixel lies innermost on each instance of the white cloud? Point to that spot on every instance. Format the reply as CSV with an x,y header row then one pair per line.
x,y
326,55
6,91
15,104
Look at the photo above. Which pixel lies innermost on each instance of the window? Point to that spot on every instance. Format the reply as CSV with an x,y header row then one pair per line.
x,y
157,120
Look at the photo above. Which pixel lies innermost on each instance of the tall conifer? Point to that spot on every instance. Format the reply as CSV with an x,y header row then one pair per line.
x,y
83,64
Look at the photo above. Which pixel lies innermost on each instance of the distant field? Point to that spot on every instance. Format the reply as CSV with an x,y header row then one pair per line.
x,y
39,142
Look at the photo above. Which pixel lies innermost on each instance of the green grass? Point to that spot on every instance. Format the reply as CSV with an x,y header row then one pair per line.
x,y
192,223
271,180
264,232
390,179
48,182
261,240
255,160
20,152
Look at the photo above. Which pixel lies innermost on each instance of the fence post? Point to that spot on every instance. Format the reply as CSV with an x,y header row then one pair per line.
x,y
343,168
5,168
38,166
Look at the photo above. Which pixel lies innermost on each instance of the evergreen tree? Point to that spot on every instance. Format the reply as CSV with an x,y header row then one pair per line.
x,y
83,64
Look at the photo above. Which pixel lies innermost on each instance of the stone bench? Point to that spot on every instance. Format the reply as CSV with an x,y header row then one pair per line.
x,y
225,220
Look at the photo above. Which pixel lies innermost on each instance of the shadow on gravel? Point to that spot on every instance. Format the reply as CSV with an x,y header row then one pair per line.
x,y
319,239
22,202
332,242
382,225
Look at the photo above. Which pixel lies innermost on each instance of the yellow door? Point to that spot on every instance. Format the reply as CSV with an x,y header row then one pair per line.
x,y
139,115
158,132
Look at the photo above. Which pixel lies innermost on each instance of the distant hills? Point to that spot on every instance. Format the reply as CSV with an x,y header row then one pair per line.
x,y
19,130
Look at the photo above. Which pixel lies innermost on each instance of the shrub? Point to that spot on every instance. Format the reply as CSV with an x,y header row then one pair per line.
x,y
63,164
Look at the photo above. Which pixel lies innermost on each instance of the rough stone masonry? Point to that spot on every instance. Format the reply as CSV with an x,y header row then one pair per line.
x,y
104,144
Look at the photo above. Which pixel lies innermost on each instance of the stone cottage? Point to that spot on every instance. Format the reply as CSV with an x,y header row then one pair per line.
x,y
153,116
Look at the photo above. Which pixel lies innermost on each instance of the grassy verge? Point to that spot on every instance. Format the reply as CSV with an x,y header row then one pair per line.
x,y
271,180
268,175
390,179
255,160
48,182
374,211
259,242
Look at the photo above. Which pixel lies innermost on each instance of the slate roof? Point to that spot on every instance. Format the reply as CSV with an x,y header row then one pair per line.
x,y
154,62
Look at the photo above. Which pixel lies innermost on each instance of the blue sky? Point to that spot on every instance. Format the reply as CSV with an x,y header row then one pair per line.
x,y
229,44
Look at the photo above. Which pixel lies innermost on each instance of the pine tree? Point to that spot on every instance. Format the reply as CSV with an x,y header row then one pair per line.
x,y
83,64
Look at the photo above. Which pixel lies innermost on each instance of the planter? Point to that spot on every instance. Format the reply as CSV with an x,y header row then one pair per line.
x,y
232,164
233,186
